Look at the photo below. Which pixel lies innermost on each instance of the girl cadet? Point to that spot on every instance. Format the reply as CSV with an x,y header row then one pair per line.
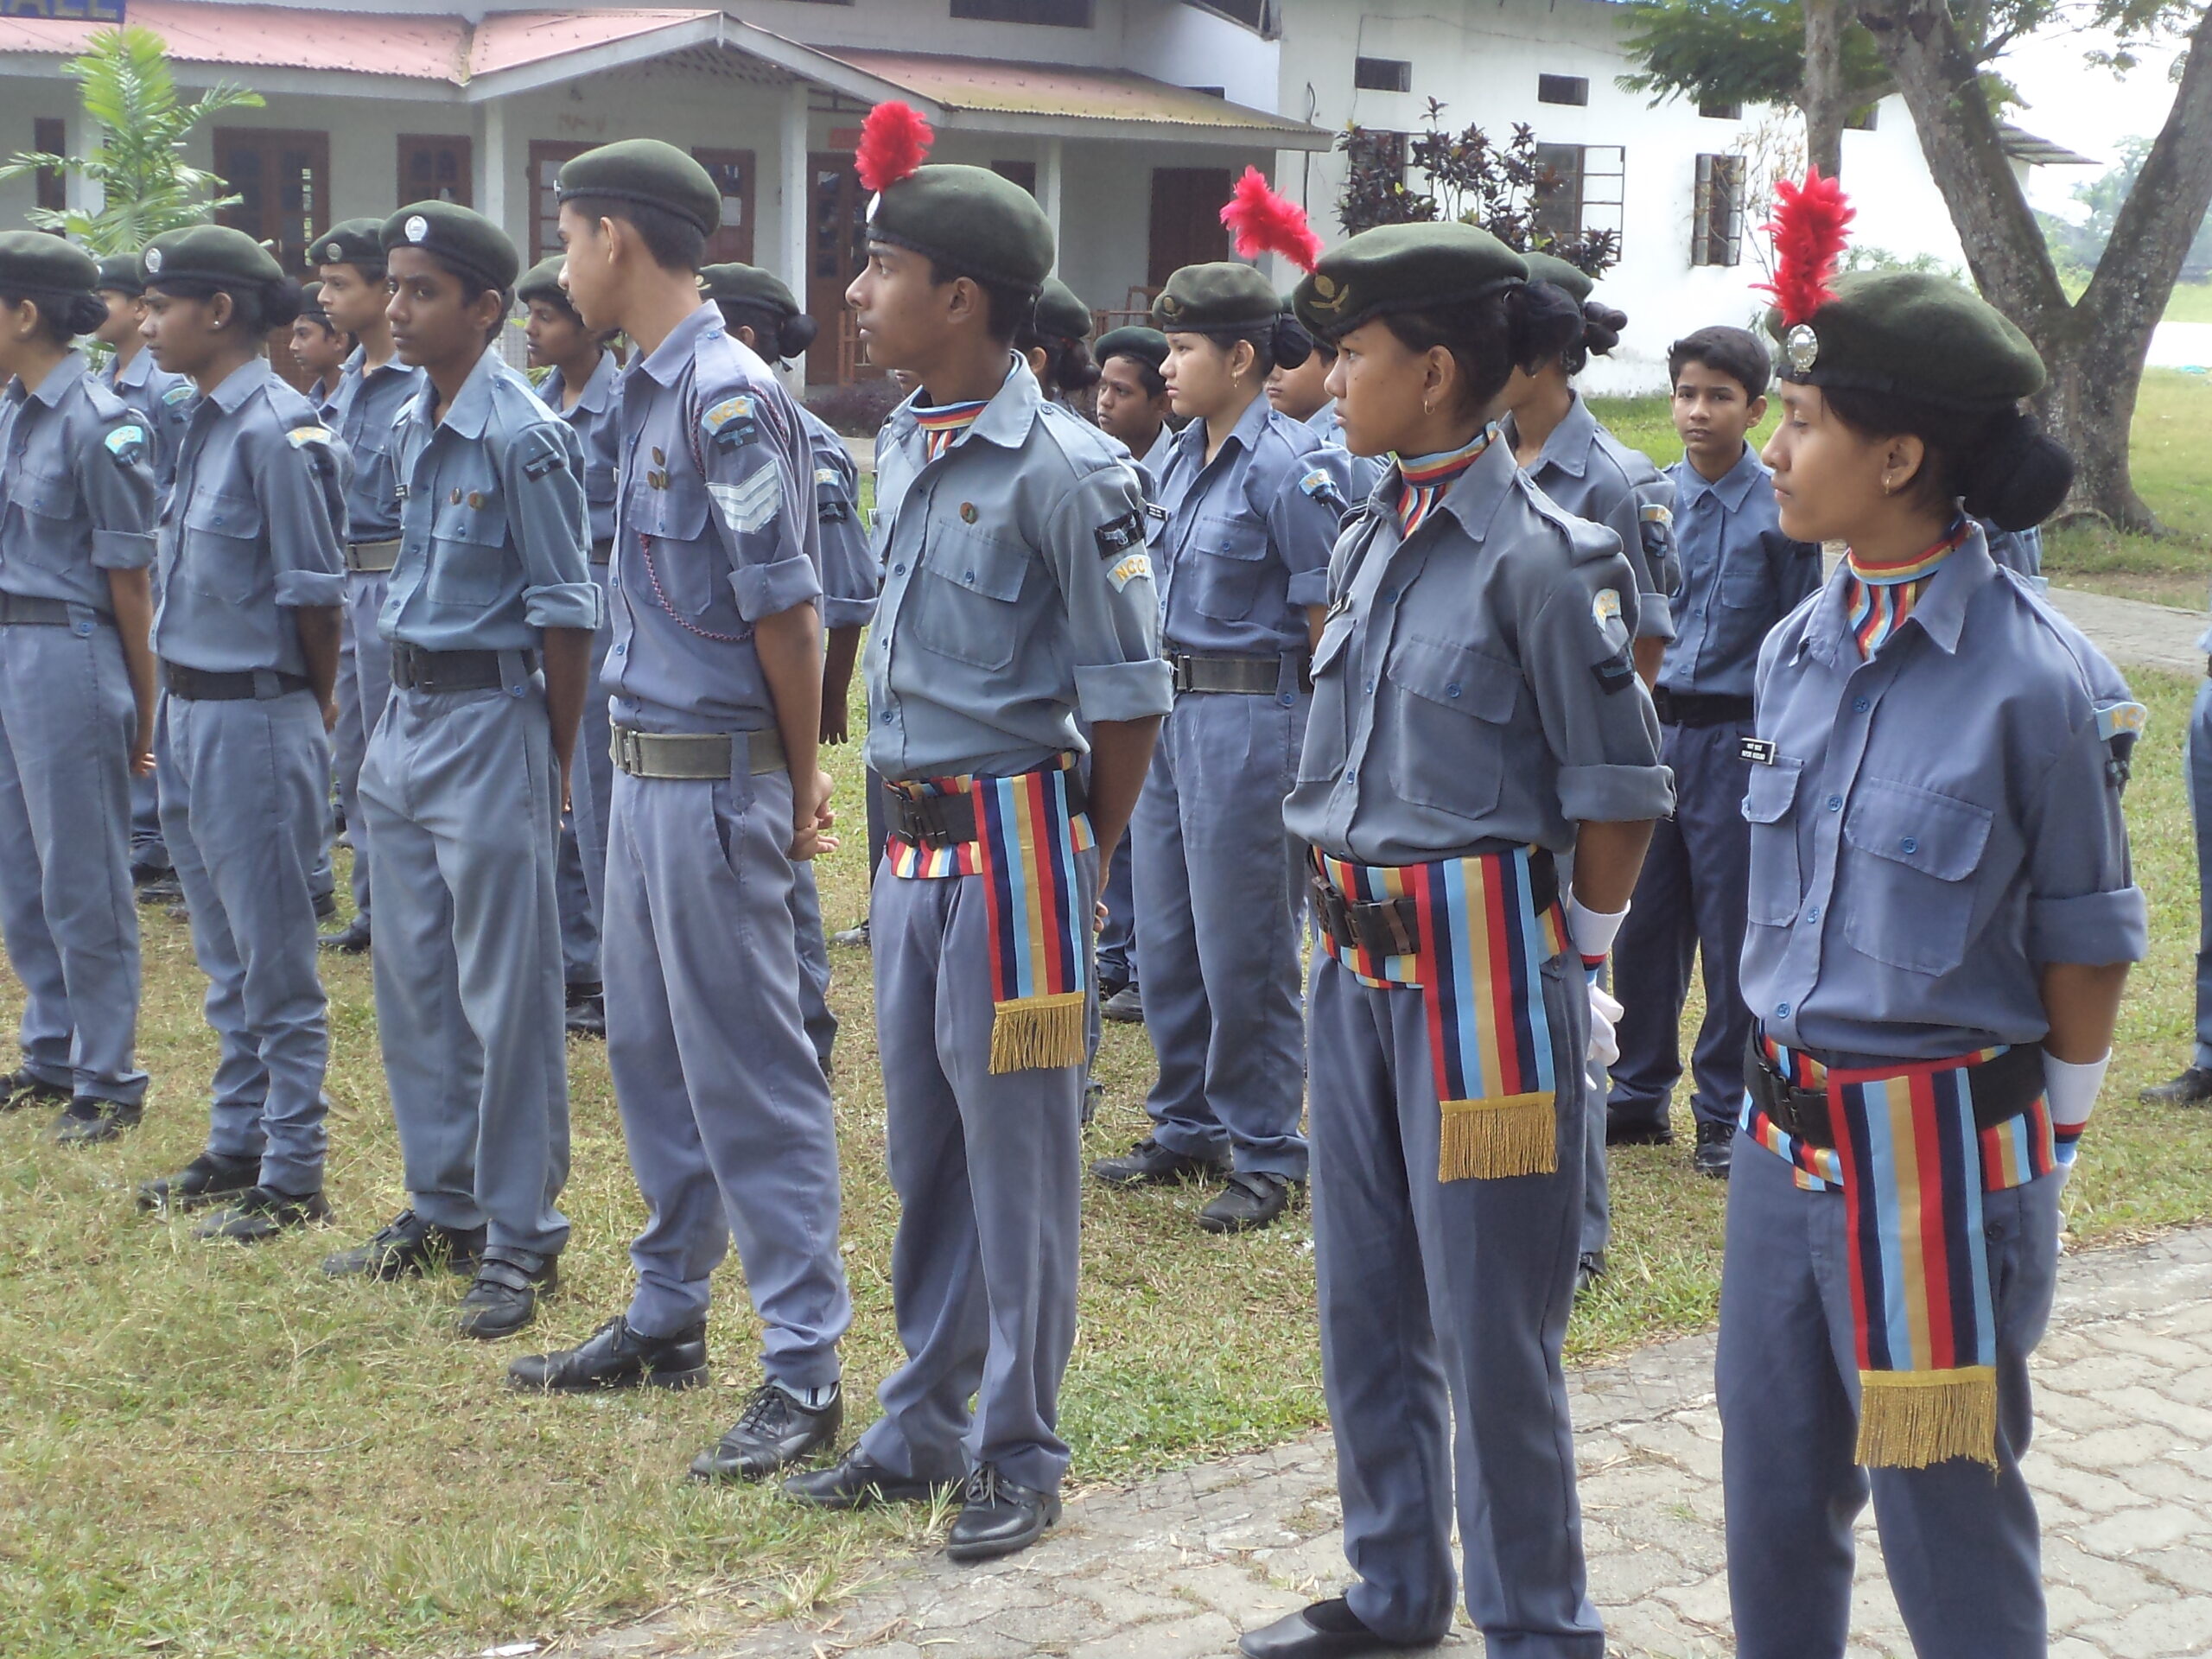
x,y
1941,917
1056,343
76,692
1253,501
1476,717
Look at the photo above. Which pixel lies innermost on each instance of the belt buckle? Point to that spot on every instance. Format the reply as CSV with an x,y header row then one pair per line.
x,y
932,831
630,751
1180,664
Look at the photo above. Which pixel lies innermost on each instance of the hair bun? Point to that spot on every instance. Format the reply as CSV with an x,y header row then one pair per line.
x,y
2020,475
1290,344
1541,321
282,302
795,333
85,313
1601,327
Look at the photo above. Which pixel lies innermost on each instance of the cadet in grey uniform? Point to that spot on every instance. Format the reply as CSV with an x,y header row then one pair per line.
x,y
1055,343
372,388
1017,596
1477,718
1942,919
320,347
763,314
247,633
76,693
1253,502
1302,394
581,390
717,678
489,617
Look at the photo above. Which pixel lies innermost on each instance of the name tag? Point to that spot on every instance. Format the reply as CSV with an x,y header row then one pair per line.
x,y
1759,751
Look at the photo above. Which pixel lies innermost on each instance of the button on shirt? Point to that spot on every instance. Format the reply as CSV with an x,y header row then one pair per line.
x,y
1938,823
363,409
493,521
1741,576
162,400
1017,591
251,529
76,477
715,531
848,576
1245,548
1473,684
1595,476
592,419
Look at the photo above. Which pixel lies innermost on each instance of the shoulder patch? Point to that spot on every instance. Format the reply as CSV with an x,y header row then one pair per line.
x,y
182,393
1606,606
1128,568
1118,535
301,436
1653,513
1321,487
731,422
1616,673
126,443
2114,719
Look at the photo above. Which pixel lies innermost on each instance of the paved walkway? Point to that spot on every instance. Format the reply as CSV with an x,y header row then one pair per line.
x,y
2135,634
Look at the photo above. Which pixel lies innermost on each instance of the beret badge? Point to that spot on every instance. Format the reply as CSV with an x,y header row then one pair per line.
x,y
1804,347
1329,295
416,227
1170,306
153,262
332,254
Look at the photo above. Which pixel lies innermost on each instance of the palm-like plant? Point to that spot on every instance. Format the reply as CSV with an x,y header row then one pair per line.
x,y
146,186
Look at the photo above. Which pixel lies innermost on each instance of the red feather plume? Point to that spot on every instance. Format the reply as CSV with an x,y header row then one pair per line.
x,y
1809,231
894,140
1264,222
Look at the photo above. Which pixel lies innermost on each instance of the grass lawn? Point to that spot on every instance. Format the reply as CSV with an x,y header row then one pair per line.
x,y
2190,303
2173,433
218,1452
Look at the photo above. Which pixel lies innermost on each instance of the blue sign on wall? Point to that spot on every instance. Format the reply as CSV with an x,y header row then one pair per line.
x,y
71,11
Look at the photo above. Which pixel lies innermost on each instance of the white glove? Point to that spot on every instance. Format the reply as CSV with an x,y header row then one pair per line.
x,y
1605,1014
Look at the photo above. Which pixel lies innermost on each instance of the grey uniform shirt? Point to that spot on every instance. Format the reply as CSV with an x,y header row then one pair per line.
x,y
162,400
1017,591
1936,825
492,525
593,420
1366,470
1594,475
251,529
363,411
715,530
849,571
1741,576
77,479
1473,684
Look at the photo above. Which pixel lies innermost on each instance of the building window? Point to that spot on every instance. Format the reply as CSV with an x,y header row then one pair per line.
x,y
1717,212
1588,191
1262,17
282,180
435,169
1022,173
1563,89
546,158
1057,14
50,136
1717,110
1382,75
732,172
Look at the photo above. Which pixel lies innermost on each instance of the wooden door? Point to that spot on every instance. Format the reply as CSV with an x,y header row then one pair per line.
x,y
283,180
732,172
1186,228
436,169
547,156
836,249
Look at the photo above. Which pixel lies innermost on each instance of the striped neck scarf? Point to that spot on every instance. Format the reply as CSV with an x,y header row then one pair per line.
x,y
943,425
1423,480
1877,598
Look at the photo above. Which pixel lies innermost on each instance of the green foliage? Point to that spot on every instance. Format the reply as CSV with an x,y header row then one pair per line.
x,y
2078,245
139,164
1736,52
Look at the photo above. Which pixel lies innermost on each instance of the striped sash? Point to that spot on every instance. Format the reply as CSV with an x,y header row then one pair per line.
x,y
1477,956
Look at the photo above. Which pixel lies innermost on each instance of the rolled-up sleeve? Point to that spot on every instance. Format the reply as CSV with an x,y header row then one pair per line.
x,y
117,476
848,569
550,524
301,482
2083,904
1596,714
1097,551
1303,520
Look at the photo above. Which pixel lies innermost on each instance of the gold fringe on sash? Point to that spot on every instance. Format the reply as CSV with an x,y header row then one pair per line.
x,y
1908,1420
1487,1139
1038,1033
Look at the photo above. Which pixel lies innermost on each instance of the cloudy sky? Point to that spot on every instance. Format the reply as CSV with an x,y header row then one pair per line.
x,y
2087,110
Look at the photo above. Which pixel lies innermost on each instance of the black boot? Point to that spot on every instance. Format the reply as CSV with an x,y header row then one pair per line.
x,y
263,1214
1328,1629
408,1244
350,940
22,1088
998,1517
503,1297
209,1179
1252,1199
774,1432
587,1012
1588,1270
1714,1141
616,1356
1150,1164
2192,1087
854,1482
86,1121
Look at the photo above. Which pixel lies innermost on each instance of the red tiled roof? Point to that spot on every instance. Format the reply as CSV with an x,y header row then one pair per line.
x,y
1005,87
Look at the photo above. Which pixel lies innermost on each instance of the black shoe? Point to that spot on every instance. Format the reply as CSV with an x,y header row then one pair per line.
x,y
177,912
164,889
350,940
145,874
21,1088
774,1432
616,1356
262,1214
326,907
1109,988
408,1244
586,1014
854,937
503,1297
1249,1202
1714,1141
1588,1270
854,1482
209,1179
1150,1164
2192,1087
1328,1629
997,1517
89,1122
1124,1007
1624,1130
1094,1096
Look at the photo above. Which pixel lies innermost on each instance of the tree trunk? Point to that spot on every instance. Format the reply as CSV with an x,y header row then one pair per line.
x,y
1823,98
2094,350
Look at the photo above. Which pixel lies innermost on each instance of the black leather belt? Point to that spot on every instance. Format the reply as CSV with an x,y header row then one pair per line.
x,y
602,552
2002,1089
1697,709
199,685
1251,677
372,558
950,820
693,756
1391,927
414,669
16,610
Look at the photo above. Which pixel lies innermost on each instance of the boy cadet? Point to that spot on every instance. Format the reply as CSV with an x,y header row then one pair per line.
x,y
716,680
372,387
1017,595
1741,576
1133,402
490,618
319,346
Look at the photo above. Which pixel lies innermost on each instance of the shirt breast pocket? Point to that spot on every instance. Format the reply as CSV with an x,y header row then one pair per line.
x,y
964,607
1452,714
688,574
599,483
1322,757
468,548
49,500
1909,903
1228,563
222,554
1770,808
1744,583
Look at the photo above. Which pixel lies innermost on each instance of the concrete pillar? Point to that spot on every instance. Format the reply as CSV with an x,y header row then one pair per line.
x,y
796,195
1048,187
496,179
81,194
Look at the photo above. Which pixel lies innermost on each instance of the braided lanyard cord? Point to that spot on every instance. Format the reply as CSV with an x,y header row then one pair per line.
x,y
652,574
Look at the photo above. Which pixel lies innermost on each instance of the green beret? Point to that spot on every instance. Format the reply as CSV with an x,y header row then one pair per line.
x,y
1403,268
1224,298
735,284
970,222
1545,268
209,253
649,172
351,241
311,303
1147,346
543,282
457,237
119,272
1913,334
1059,311
33,262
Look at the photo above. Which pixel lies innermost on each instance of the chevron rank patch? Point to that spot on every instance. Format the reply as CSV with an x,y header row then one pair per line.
x,y
731,423
126,443
750,506
1130,568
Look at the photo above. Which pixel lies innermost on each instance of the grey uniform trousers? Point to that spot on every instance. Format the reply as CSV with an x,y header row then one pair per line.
x,y
725,1109
2198,757
1444,1307
1220,898
363,687
68,718
989,1181
1959,1540
462,803
244,789
146,845
591,793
